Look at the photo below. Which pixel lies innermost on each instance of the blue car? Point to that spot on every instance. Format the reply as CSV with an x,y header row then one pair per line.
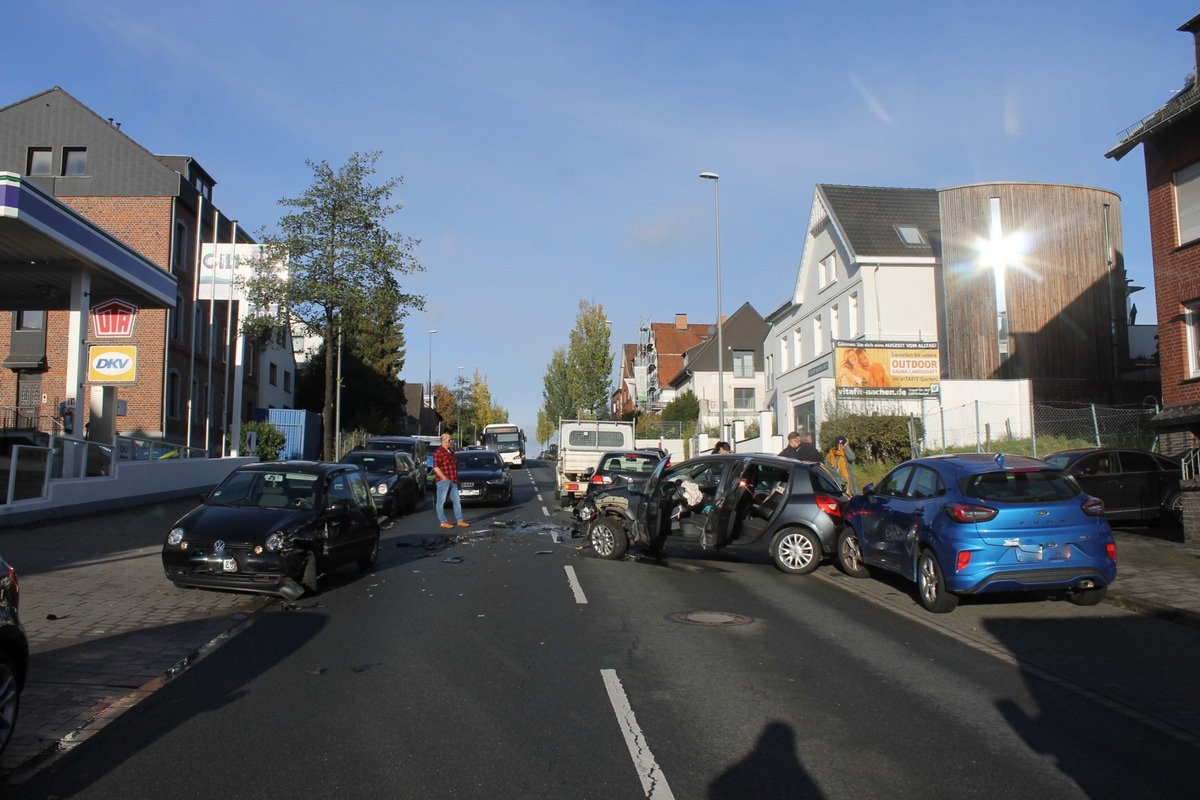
x,y
978,522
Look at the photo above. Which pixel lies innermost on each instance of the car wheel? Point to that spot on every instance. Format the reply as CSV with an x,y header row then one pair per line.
x,y
565,501
10,700
1174,512
608,538
309,581
796,551
931,585
849,555
1088,597
367,562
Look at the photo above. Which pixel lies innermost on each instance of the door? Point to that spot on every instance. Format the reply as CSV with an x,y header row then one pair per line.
x,y
1143,481
1098,475
880,534
29,398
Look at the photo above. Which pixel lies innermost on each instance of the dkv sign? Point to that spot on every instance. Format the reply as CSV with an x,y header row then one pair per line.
x,y
111,364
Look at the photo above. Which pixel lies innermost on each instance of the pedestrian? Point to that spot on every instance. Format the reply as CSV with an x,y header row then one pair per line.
x,y
801,447
841,458
445,467
722,447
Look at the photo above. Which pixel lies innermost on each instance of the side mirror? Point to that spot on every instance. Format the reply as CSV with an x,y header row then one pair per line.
x,y
868,490
587,473
337,508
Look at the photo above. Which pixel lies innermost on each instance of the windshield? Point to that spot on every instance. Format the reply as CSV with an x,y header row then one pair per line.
x,y
376,465
1037,486
477,460
255,489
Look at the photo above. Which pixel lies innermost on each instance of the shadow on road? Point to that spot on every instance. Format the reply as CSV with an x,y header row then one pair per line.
x,y
771,770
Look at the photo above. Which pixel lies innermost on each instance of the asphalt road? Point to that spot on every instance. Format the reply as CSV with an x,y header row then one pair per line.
x,y
503,663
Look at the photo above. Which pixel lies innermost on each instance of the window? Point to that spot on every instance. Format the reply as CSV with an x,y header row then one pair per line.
x,y
818,335
797,347
287,381
784,354
173,395
30,320
743,399
910,234
743,363
273,374
40,161
74,162
1187,203
827,271
835,322
852,316
770,370
179,248
177,314
195,402
248,358
1192,321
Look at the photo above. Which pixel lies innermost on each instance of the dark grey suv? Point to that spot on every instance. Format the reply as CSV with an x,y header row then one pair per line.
x,y
760,504
14,653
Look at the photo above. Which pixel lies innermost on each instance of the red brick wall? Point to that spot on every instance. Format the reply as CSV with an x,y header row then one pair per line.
x,y
1176,269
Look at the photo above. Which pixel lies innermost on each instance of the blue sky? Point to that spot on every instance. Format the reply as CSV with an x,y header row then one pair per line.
x,y
550,150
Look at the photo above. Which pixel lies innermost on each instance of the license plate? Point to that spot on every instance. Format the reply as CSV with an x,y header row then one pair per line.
x,y
469,492
229,565
1057,553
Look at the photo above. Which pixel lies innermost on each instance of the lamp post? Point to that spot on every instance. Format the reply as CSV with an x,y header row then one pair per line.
x,y
458,411
714,177
431,333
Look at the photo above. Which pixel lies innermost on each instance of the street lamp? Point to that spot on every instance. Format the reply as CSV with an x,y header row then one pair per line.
x,y
458,411
431,333
712,176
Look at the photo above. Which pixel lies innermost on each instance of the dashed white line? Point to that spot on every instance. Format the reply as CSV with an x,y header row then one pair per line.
x,y
654,783
576,588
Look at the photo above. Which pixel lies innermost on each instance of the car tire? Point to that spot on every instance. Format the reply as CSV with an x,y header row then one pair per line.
x,y
10,700
931,585
1173,511
1088,597
309,578
367,562
849,555
608,539
796,551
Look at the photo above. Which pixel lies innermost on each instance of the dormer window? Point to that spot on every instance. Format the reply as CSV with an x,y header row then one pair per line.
x,y
910,234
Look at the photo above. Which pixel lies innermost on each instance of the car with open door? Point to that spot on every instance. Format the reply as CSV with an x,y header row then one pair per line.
x,y
764,505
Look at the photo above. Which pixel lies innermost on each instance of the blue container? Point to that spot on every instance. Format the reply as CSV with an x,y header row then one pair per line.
x,y
301,430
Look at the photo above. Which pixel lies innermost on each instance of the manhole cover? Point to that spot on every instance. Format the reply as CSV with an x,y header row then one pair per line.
x,y
717,618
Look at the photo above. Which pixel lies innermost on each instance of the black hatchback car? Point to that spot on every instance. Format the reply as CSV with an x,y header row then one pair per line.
x,y
1134,484
273,528
393,477
760,504
14,653
483,477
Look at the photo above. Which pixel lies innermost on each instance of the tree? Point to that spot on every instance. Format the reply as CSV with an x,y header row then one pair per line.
x,y
556,392
684,408
341,262
590,361
546,427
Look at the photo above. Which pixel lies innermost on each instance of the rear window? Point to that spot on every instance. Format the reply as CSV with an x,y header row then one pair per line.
x,y
1039,486
593,439
630,462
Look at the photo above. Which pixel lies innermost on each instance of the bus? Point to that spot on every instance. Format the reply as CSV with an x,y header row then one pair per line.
x,y
506,439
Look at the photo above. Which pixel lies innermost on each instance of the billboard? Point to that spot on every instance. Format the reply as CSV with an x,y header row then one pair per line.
x,y
224,268
109,364
886,369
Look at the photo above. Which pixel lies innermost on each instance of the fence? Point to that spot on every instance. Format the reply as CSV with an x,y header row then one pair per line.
x,y
1032,429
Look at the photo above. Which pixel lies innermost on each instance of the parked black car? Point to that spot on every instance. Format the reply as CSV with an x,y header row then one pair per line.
x,y
619,467
273,528
761,504
416,446
483,477
393,477
14,653
1134,484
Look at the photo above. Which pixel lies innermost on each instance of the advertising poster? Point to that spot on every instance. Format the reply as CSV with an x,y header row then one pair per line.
x,y
886,369
110,364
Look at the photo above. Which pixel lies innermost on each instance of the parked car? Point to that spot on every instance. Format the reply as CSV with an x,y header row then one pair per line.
x,y
1134,484
14,653
737,503
976,523
417,447
619,467
393,477
483,477
273,528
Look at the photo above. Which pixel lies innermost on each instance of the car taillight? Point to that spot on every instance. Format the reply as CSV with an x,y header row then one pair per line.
x,y
1093,507
829,505
963,512
964,558
601,480
1110,550
16,587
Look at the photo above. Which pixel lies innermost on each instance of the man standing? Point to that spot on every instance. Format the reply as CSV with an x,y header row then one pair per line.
x,y
445,467
800,447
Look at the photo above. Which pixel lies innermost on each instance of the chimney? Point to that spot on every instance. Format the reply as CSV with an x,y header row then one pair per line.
x,y
681,322
1192,26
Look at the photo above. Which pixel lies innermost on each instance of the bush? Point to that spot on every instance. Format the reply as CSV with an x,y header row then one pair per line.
x,y
270,440
874,437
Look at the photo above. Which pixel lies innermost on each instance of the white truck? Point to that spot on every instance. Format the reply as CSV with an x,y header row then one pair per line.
x,y
581,442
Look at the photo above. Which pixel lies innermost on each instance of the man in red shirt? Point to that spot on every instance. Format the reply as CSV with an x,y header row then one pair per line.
x,y
445,467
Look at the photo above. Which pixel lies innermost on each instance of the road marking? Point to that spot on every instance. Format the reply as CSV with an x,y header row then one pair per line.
x,y
545,511
580,598
654,783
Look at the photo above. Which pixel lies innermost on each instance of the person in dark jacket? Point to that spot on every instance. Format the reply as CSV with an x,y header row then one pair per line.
x,y
801,447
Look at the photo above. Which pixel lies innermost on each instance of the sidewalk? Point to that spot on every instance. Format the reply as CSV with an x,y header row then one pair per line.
x,y
106,628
